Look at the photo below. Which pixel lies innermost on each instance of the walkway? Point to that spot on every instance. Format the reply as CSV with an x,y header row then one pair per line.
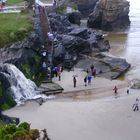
x,y
44,3
12,9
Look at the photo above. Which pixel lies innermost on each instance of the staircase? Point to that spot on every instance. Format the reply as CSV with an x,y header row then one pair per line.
x,y
47,86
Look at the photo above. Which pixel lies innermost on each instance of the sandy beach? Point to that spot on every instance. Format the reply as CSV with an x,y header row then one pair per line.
x,y
80,113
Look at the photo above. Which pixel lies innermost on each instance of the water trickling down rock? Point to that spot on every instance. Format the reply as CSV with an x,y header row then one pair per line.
x,y
15,83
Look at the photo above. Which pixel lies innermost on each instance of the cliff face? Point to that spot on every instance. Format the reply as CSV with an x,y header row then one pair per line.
x,y
110,15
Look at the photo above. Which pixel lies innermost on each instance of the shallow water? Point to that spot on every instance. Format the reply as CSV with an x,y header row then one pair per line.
x,y
127,44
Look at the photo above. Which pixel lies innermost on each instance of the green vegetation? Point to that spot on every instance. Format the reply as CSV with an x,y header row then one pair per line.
x,y
13,2
32,69
26,70
61,8
13,27
1,123
20,132
74,6
6,101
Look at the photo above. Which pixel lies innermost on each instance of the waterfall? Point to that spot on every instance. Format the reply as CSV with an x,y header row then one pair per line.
x,y
21,88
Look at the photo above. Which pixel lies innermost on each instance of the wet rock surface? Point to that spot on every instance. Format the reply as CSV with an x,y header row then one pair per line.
x,y
105,66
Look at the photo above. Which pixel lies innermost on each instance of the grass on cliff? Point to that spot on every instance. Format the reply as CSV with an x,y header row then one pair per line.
x,y
14,2
13,27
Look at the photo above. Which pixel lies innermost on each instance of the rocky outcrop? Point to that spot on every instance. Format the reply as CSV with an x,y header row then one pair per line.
x,y
110,15
79,41
80,32
75,17
26,54
135,84
105,66
22,55
59,23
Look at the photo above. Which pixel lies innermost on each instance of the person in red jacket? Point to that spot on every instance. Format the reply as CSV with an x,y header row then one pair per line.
x,y
115,90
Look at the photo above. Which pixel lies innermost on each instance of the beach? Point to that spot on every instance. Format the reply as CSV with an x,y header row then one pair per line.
x,y
79,113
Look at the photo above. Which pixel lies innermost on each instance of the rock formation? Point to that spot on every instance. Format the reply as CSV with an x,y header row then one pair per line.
x,y
110,15
74,17
135,84
106,66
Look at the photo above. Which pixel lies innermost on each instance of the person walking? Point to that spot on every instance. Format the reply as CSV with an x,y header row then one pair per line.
x,y
44,68
87,71
74,81
115,90
45,135
94,73
135,106
85,81
54,3
92,68
59,76
89,79
33,9
127,91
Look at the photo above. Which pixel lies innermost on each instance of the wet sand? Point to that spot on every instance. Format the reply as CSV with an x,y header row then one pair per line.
x,y
91,113
109,118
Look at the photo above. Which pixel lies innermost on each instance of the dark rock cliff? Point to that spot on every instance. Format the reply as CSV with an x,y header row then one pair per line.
x,y
110,15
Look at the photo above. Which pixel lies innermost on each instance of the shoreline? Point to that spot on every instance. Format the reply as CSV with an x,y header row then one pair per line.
x,y
87,114
65,119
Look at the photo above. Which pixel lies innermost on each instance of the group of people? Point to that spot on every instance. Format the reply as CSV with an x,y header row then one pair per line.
x,y
90,75
57,70
54,71
2,4
87,78
135,106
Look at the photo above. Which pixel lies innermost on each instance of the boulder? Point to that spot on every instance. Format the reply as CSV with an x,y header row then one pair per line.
x,y
59,50
23,56
75,44
59,23
80,32
135,84
110,15
97,42
105,66
74,17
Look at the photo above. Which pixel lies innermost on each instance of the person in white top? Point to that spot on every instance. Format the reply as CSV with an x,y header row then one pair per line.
x,y
136,105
